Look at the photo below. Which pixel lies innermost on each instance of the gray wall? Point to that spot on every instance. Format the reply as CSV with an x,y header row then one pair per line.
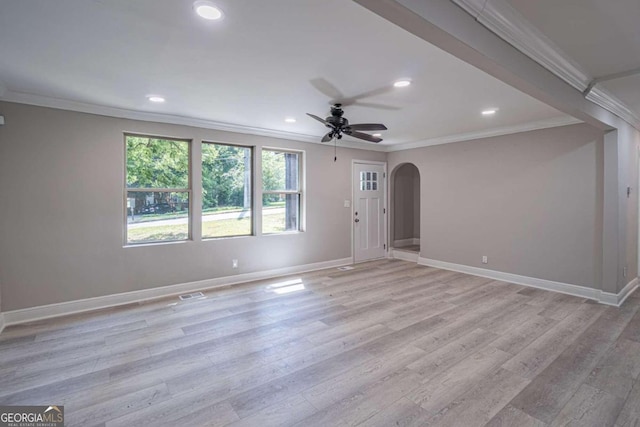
x,y
61,221
406,202
531,202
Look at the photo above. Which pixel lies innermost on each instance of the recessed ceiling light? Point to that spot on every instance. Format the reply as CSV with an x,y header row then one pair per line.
x,y
402,83
155,98
489,112
290,120
207,10
377,135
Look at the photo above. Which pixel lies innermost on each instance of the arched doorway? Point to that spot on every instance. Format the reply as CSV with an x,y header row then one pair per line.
x,y
405,210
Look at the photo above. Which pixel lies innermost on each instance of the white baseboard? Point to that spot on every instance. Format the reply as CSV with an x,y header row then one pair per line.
x,y
631,287
406,242
71,307
619,298
404,255
1,322
564,288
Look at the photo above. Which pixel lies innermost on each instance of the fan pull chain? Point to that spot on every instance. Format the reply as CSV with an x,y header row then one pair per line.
x,y
335,154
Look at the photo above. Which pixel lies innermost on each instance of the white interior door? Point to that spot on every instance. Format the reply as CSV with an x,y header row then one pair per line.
x,y
368,211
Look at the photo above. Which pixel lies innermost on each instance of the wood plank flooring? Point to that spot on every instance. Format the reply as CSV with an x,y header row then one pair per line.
x,y
388,343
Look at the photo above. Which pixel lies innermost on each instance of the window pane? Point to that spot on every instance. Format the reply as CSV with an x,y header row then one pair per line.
x,y
226,190
280,170
157,163
157,216
280,212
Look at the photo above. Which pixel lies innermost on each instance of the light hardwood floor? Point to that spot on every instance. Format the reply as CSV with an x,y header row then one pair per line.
x,y
386,344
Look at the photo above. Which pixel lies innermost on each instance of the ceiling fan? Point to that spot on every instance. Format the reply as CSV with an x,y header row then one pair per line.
x,y
340,125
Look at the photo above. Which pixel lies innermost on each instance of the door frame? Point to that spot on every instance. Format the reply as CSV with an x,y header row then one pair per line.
x,y
385,206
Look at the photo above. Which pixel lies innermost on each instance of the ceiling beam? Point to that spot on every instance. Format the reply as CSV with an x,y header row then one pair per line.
x,y
449,27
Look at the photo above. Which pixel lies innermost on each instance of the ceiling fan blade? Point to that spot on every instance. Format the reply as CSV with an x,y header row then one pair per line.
x,y
370,93
318,119
368,126
328,137
325,87
374,92
364,136
376,106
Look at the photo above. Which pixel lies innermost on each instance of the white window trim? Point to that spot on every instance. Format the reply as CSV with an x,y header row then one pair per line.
x,y
188,190
254,230
301,192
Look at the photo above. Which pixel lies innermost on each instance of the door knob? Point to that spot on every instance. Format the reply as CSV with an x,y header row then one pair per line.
x,y
357,220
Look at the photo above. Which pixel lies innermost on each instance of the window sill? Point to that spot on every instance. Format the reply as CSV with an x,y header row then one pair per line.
x,y
213,239
283,233
141,245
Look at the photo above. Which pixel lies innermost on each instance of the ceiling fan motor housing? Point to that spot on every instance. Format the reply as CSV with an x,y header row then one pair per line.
x,y
337,122
335,119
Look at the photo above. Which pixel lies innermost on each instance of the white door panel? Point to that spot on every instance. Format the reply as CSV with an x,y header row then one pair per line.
x,y
369,217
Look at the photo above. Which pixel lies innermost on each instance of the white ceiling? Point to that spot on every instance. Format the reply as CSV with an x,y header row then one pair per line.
x,y
254,68
601,36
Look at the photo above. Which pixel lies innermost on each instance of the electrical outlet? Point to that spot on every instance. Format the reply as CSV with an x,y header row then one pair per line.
x,y
485,259
347,203
234,263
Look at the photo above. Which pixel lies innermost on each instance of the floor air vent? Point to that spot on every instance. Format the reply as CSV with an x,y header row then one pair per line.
x,y
195,295
345,268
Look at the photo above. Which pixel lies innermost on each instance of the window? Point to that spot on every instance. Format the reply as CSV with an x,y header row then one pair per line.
x,y
368,181
281,191
226,190
157,189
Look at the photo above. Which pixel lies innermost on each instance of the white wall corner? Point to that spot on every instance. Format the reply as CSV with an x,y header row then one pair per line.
x,y
564,288
31,314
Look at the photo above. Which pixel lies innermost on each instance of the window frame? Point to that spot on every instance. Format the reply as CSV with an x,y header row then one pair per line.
x,y
300,191
187,190
252,168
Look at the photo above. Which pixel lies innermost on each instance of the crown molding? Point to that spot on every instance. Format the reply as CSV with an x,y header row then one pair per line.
x,y
608,101
504,20
488,133
507,23
63,104
473,7
123,113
